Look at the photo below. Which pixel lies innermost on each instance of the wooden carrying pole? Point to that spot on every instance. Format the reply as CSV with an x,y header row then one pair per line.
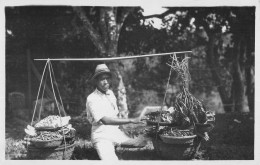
x,y
111,58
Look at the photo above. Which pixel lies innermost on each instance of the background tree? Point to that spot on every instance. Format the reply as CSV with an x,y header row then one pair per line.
x,y
223,32
104,32
211,33
62,29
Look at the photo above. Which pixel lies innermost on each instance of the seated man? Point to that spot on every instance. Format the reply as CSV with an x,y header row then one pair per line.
x,y
103,113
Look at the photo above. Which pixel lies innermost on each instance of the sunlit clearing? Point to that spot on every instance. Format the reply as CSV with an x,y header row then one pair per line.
x,y
224,29
192,20
9,32
155,22
151,10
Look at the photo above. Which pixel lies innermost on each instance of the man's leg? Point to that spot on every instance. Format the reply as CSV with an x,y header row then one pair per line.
x,y
137,142
125,141
106,150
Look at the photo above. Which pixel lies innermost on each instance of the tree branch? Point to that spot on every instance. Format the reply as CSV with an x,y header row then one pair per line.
x,y
111,26
94,36
122,17
112,31
125,12
74,25
103,26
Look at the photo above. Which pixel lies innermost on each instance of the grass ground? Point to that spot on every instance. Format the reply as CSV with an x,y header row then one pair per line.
x,y
231,139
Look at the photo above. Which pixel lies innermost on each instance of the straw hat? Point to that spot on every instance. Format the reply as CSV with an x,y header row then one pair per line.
x,y
100,69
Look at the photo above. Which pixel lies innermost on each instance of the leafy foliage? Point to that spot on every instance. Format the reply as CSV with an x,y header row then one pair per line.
x,y
53,32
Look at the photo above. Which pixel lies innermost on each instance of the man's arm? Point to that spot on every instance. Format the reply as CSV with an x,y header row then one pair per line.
x,y
117,121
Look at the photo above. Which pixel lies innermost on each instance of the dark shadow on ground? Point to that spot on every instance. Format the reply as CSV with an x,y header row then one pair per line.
x,y
82,126
135,154
81,153
232,138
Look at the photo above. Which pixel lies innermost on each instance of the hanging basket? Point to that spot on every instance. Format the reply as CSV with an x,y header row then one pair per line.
x,y
47,129
177,140
58,153
150,122
50,145
46,143
182,151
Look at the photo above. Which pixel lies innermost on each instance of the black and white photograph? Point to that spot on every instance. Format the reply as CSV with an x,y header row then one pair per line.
x,y
129,81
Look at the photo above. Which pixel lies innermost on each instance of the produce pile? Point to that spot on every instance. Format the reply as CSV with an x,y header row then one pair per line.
x,y
187,116
50,129
165,117
172,131
52,121
47,136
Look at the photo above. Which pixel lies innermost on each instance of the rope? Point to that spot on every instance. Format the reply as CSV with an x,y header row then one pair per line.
x,y
39,118
57,87
54,92
168,81
49,65
39,90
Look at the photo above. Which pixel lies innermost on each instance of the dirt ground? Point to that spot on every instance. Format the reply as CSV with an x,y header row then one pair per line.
x,y
231,139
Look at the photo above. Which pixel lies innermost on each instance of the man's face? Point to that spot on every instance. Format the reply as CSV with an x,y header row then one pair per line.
x,y
103,82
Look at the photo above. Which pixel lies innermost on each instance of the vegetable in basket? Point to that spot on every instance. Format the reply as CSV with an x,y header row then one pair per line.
x,y
53,121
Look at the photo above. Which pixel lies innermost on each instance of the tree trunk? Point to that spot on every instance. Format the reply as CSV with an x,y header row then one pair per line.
x,y
244,30
107,43
249,73
113,35
213,63
94,36
238,78
119,89
250,88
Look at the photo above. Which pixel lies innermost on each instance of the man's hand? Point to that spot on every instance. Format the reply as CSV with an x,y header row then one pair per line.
x,y
136,120
117,121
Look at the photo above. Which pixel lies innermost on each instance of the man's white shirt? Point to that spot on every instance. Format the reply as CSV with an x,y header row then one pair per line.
x,y
98,106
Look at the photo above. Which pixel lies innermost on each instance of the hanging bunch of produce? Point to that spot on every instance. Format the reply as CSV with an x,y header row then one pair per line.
x,y
187,118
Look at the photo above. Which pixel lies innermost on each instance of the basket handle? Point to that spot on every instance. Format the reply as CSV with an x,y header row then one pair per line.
x,y
53,80
52,73
39,90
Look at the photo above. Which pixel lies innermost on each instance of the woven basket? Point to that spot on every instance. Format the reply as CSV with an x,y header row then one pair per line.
x,y
47,128
184,151
149,122
58,153
46,143
177,140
